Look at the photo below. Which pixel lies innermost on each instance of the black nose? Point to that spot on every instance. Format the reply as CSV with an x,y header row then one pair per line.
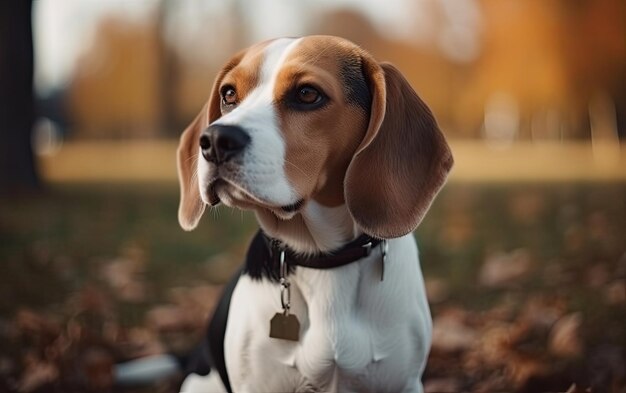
x,y
220,143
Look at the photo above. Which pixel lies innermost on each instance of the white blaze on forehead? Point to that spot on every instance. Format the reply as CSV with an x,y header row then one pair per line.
x,y
275,55
263,172
263,94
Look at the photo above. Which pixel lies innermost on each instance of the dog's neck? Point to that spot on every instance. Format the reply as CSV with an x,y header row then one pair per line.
x,y
315,228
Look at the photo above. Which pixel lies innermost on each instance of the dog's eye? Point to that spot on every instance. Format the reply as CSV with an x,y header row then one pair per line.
x,y
229,95
308,95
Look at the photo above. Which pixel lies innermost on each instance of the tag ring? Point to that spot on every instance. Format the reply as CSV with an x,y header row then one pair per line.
x,y
285,286
285,297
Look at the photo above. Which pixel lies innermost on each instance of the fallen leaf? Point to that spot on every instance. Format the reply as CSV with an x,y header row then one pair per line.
x,y
521,368
437,290
125,277
503,269
542,310
564,338
442,385
37,373
450,333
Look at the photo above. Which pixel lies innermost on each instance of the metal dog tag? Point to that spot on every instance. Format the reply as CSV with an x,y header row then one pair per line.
x,y
285,327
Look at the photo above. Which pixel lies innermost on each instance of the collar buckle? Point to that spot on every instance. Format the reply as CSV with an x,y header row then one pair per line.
x,y
368,248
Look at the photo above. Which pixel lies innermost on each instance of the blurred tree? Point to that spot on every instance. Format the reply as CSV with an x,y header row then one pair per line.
x,y
17,166
521,60
168,71
595,53
115,89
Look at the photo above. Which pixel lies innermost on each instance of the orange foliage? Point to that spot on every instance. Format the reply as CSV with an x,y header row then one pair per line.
x,y
115,89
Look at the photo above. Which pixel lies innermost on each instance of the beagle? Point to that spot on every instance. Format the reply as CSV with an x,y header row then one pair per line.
x,y
340,160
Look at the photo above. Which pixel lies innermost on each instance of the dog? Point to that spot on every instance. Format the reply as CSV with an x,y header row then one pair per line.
x,y
340,160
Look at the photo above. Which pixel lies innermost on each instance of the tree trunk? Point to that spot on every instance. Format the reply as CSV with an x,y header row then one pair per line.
x,y
17,166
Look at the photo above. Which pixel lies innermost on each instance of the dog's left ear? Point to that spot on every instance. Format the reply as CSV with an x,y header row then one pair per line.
x,y
402,161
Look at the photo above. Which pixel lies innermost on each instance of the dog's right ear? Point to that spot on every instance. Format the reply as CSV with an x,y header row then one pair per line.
x,y
191,205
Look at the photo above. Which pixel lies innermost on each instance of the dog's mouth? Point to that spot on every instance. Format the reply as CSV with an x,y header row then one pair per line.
x,y
246,198
294,207
214,199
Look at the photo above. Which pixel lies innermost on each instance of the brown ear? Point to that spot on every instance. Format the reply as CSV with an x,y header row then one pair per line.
x,y
402,161
191,205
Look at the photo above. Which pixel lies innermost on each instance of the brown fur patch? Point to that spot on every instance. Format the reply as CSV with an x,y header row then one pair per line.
x,y
244,76
320,143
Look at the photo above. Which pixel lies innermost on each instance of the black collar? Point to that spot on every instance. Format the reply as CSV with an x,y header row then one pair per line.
x,y
262,259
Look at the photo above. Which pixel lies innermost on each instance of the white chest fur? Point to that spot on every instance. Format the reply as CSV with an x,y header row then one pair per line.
x,y
358,334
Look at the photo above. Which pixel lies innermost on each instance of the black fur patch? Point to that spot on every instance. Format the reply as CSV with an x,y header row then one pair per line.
x,y
357,89
260,263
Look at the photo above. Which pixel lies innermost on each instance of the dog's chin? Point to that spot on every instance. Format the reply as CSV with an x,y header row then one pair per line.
x,y
287,212
238,197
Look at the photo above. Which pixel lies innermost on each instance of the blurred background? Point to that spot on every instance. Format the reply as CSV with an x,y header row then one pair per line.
x,y
524,252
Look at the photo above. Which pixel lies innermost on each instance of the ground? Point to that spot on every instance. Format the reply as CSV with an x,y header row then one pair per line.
x,y
527,284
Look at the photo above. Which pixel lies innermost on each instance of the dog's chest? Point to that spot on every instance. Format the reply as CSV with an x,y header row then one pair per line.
x,y
353,335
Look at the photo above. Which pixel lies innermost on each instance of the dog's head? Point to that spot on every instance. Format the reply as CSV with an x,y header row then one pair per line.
x,y
314,118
